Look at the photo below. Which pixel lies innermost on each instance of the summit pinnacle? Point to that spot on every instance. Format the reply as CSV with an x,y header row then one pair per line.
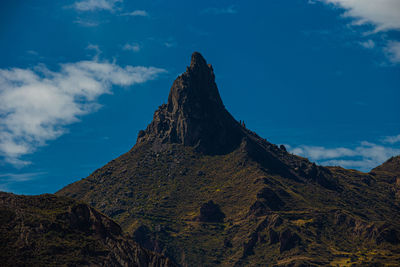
x,y
194,115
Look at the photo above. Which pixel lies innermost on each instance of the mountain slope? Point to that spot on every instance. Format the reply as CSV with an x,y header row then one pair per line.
x,y
389,171
47,230
203,189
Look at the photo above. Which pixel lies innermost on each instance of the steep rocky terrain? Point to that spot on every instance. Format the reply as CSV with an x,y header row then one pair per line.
x,y
47,230
201,188
390,172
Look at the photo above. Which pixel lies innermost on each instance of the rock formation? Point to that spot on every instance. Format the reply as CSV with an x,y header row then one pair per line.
x,y
194,115
269,207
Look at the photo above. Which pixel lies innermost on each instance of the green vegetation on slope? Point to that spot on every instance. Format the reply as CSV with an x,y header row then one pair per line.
x,y
165,190
47,230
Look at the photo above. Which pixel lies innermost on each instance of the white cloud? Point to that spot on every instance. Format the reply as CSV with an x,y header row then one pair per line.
x,y
170,44
319,152
383,14
93,5
86,23
221,10
392,139
393,51
135,47
137,13
364,156
369,44
36,104
32,52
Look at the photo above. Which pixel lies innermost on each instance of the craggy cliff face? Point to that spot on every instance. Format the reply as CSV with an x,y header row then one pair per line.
x,y
195,115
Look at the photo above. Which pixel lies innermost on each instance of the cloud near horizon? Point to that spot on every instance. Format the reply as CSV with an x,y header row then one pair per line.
x,y
36,103
220,10
93,5
135,47
365,156
391,139
136,13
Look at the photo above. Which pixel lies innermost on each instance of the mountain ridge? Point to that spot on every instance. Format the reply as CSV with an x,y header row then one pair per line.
x,y
195,116
201,188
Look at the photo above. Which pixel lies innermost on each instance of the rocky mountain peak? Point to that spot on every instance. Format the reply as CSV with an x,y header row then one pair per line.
x,y
195,91
197,61
194,115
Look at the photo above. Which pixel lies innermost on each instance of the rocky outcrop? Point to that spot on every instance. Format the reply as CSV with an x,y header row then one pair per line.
x,y
391,166
47,231
145,238
211,212
194,115
373,232
288,240
389,171
267,200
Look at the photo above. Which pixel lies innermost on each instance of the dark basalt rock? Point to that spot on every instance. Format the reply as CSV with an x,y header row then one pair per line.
x,y
273,237
144,237
194,115
389,235
267,200
271,198
288,240
211,212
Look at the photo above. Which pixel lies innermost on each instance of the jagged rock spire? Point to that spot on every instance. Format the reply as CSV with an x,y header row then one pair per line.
x,y
195,89
195,115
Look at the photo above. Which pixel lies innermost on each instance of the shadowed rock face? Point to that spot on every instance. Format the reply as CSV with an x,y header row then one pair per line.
x,y
288,240
195,115
390,171
211,212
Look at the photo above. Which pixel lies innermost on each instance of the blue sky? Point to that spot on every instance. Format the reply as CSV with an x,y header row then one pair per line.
x,y
79,79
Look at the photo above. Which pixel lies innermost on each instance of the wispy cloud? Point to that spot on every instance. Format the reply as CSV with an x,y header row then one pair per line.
x,y
383,14
391,139
36,103
393,51
32,52
135,47
369,44
86,23
365,156
95,5
136,13
170,44
96,49
20,177
8,180
220,10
